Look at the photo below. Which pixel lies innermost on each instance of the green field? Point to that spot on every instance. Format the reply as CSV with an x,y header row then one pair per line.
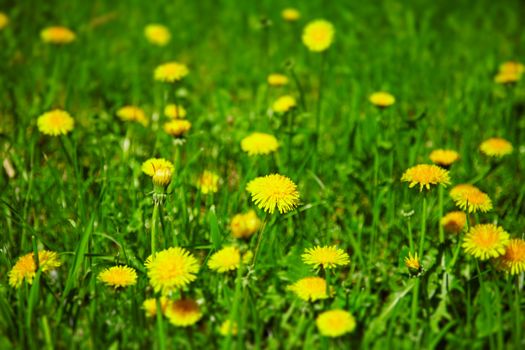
x,y
87,194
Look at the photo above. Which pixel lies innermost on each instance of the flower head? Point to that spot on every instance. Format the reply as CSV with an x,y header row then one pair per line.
x,y
118,276
425,175
245,225
157,34
171,268
274,191
382,99
4,20
284,103
512,67
328,257
412,263
183,313
485,241
468,196
513,261
507,78
132,114
310,288
290,14
444,157
228,327
25,267
177,127
171,72
318,35
56,122
150,306
454,221
277,80
57,35
175,111
208,182
335,323
259,143
496,147
226,259
160,169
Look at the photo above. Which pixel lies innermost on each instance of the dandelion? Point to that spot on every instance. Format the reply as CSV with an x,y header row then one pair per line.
x,y
318,35
25,267
284,103
454,221
412,263
259,143
496,147
132,114
290,14
382,99
57,35
425,175
171,72
56,122
444,157
171,269
157,34
226,259
175,111
328,257
150,306
228,328
118,276
277,80
4,20
507,78
183,313
513,260
512,67
177,127
208,182
334,323
152,165
245,225
468,196
310,288
485,241
271,191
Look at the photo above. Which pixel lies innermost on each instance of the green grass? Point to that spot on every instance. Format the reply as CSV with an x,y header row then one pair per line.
x,y
84,195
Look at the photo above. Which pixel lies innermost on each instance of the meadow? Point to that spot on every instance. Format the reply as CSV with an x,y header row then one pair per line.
x,y
262,174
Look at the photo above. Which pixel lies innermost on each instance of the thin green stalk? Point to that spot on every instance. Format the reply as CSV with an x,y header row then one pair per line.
x,y
154,220
290,137
160,326
299,88
440,214
259,240
410,237
47,333
318,110
423,226
414,307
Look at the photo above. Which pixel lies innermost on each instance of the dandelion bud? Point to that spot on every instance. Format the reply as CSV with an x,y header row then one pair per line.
x,y
162,177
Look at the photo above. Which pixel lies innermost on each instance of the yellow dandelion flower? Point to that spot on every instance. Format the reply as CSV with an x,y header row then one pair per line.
x,y
512,67
162,177
228,327
318,35
118,276
290,14
328,257
150,306
259,143
485,241
4,20
208,182
152,165
177,127
157,34
226,259
496,147
271,191
310,288
183,313
425,175
454,221
513,261
171,268
132,114
412,262
25,267
277,80
171,72
175,111
245,225
334,323
57,35
56,122
468,196
507,78
444,157
382,99
284,103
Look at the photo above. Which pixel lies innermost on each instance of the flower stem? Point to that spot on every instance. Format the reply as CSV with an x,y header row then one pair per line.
x,y
440,214
423,226
414,307
318,111
154,220
259,240
160,326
